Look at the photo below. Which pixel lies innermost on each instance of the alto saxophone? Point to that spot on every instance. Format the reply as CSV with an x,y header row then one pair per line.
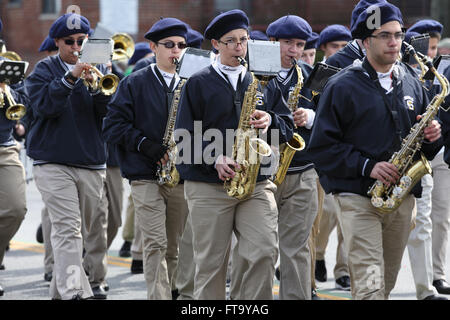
x,y
288,149
247,148
388,198
168,174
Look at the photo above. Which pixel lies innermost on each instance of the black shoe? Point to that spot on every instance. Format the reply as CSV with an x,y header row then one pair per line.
x,y
321,271
137,267
175,294
48,276
442,286
99,293
2,267
105,286
343,283
435,297
314,295
39,236
278,273
124,251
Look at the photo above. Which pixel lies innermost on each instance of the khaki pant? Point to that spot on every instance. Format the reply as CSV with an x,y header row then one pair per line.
x,y
297,208
215,215
72,195
128,226
114,194
161,214
328,222
375,243
186,267
13,205
440,215
315,231
46,234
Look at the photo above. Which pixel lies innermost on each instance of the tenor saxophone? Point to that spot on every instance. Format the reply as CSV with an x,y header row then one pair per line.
x,y
388,198
297,143
168,174
247,148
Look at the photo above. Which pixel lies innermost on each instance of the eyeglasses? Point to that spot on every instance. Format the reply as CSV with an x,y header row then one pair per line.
x,y
70,42
234,42
171,44
386,36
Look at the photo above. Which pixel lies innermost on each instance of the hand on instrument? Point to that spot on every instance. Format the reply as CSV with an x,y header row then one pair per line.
x,y
164,159
154,151
225,167
79,68
300,117
260,120
433,131
385,172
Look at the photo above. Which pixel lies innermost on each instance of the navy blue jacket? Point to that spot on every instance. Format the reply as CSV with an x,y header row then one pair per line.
x,y
279,89
144,62
138,109
345,57
207,97
19,94
354,129
66,125
445,117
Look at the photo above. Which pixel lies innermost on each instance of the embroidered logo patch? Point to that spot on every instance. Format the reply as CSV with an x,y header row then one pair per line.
x,y
409,102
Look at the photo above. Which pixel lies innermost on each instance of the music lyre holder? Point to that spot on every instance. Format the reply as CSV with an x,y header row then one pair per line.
x,y
96,51
319,77
264,59
12,72
440,64
193,60
420,44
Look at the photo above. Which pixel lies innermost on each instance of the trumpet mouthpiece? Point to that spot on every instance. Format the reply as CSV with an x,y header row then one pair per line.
x,y
76,53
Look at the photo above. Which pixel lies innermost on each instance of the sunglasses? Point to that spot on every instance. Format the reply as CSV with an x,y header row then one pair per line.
x,y
70,42
171,44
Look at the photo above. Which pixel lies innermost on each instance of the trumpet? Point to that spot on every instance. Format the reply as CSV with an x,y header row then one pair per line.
x,y
15,111
123,46
106,83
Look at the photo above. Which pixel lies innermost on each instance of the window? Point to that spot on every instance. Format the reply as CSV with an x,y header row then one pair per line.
x,y
50,9
14,3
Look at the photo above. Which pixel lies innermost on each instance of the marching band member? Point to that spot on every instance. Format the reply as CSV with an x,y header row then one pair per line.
x,y
332,39
296,196
143,98
69,160
428,240
214,96
352,140
309,53
13,206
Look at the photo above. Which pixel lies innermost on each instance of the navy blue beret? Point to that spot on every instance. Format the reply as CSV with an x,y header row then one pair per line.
x,y
258,35
426,26
194,38
335,32
410,34
225,22
68,24
289,27
360,7
311,43
48,45
166,27
363,27
141,49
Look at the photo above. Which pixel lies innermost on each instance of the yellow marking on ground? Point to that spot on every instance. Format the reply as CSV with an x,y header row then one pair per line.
x,y
330,297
